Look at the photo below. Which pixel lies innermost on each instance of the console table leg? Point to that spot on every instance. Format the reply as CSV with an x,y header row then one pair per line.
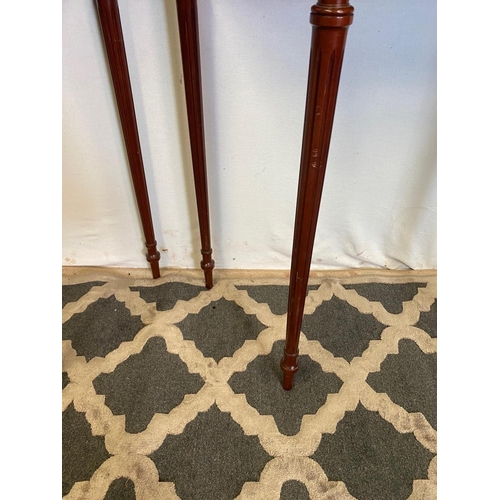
x,y
330,19
187,15
109,17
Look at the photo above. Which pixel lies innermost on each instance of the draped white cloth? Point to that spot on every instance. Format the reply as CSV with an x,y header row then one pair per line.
x,y
379,199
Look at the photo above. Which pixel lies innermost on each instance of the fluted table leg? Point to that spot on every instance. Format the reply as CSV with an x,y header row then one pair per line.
x,y
109,17
187,14
330,19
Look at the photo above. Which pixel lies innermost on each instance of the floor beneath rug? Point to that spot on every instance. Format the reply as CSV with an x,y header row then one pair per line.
x,y
173,391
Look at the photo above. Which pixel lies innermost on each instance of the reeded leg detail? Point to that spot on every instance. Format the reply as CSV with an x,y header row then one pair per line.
x,y
109,18
330,19
187,15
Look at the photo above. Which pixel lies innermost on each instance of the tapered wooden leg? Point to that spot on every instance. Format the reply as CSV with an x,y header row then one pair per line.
x,y
187,15
330,19
109,17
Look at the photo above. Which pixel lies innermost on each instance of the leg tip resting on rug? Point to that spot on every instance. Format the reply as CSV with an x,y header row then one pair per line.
x,y
289,368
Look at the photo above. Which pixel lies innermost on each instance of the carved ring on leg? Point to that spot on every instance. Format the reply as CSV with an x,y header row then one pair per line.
x,y
208,264
153,257
289,367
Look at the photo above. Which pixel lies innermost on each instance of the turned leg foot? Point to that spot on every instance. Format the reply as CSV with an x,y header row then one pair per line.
x,y
289,367
153,257
207,264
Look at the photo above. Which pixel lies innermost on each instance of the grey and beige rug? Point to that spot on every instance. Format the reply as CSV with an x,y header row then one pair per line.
x,y
172,391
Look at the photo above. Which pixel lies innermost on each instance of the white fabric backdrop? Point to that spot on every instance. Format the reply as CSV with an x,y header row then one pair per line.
x,y
379,200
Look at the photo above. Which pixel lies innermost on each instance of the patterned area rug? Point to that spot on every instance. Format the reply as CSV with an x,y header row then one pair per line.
x,y
171,391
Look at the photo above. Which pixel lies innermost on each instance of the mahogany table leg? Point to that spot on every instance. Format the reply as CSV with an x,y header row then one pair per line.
x,y
187,14
109,17
330,19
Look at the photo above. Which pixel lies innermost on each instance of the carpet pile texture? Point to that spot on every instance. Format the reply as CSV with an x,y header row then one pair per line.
x,y
172,391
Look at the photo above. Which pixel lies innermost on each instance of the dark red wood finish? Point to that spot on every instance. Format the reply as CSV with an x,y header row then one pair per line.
x,y
109,17
330,19
187,15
